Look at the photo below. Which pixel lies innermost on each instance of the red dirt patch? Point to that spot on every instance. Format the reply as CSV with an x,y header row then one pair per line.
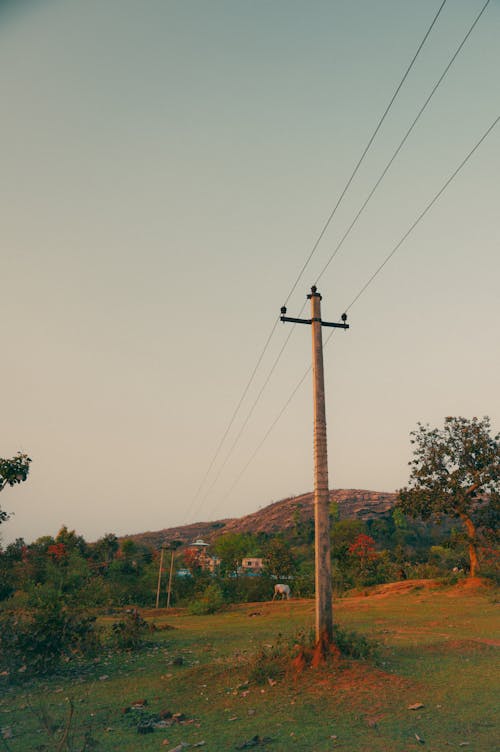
x,y
368,689
394,588
470,585
473,645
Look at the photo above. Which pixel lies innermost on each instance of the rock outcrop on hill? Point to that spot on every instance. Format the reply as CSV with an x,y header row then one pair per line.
x,y
276,517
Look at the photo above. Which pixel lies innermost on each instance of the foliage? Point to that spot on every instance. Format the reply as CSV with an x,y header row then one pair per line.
x,y
345,700
35,641
209,602
303,581
269,662
246,589
342,534
279,559
105,549
303,528
232,548
128,633
455,471
353,644
363,547
13,471
63,733
273,660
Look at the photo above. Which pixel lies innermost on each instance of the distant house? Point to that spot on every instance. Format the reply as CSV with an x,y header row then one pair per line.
x,y
252,565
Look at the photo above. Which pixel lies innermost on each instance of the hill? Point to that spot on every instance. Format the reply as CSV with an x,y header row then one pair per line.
x,y
278,516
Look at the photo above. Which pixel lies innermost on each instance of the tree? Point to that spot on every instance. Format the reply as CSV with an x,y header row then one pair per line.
x,y
11,472
231,548
363,548
279,559
106,548
455,472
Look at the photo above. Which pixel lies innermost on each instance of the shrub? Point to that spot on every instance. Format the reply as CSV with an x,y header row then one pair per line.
x,y
269,662
298,651
35,641
128,633
247,588
209,602
354,645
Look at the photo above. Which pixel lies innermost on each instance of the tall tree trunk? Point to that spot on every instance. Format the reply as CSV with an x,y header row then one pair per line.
x,y
471,535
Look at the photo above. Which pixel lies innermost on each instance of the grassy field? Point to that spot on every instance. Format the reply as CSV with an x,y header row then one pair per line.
x,y
438,649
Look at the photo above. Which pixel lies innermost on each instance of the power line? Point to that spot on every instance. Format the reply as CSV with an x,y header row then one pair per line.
x,y
269,430
250,412
362,291
403,141
422,214
365,151
231,421
313,250
357,216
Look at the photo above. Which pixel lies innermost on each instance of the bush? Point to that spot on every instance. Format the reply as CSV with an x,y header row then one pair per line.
x,y
269,662
35,641
298,651
354,645
247,588
209,602
128,633
423,571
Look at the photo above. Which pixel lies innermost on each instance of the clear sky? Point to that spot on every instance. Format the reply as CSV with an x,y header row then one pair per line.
x,y
166,166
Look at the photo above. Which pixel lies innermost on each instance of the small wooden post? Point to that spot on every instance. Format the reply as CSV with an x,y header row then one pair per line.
x,y
159,578
169,589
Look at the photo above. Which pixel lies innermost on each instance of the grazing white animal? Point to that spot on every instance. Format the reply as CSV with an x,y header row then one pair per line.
x,y
283,590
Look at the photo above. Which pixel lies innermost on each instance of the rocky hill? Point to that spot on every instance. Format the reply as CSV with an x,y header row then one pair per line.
x,y
352,503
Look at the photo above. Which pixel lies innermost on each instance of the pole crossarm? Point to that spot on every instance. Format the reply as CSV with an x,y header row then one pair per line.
x,y
309,321
314,294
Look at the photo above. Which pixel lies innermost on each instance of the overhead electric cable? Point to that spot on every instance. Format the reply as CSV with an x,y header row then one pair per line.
x,y
315,246
361,292
266,435
351,226
403,141
422,214
363,155
233,418
247,419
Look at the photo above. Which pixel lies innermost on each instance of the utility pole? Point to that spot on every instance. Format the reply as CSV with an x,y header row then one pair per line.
x,y
159,576
323,577
169,589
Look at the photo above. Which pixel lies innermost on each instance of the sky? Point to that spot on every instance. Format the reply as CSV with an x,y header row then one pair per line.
x,y
166,168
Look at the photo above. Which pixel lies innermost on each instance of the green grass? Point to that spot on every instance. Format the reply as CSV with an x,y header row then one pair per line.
x,y
435,649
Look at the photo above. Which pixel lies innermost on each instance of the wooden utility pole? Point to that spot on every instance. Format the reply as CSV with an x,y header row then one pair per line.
x,y
159,577
323,576
169,589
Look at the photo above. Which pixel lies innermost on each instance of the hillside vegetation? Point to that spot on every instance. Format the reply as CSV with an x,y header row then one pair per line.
x,y
277,517
228,681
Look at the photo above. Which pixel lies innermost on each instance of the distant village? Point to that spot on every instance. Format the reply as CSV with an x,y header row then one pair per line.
x,y
198,556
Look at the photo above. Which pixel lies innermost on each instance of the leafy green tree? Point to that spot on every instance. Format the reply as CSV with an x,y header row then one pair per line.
x,y
232,548
279,559
455,472
72,541
13,471
303,526
342,534
334,512
106,548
